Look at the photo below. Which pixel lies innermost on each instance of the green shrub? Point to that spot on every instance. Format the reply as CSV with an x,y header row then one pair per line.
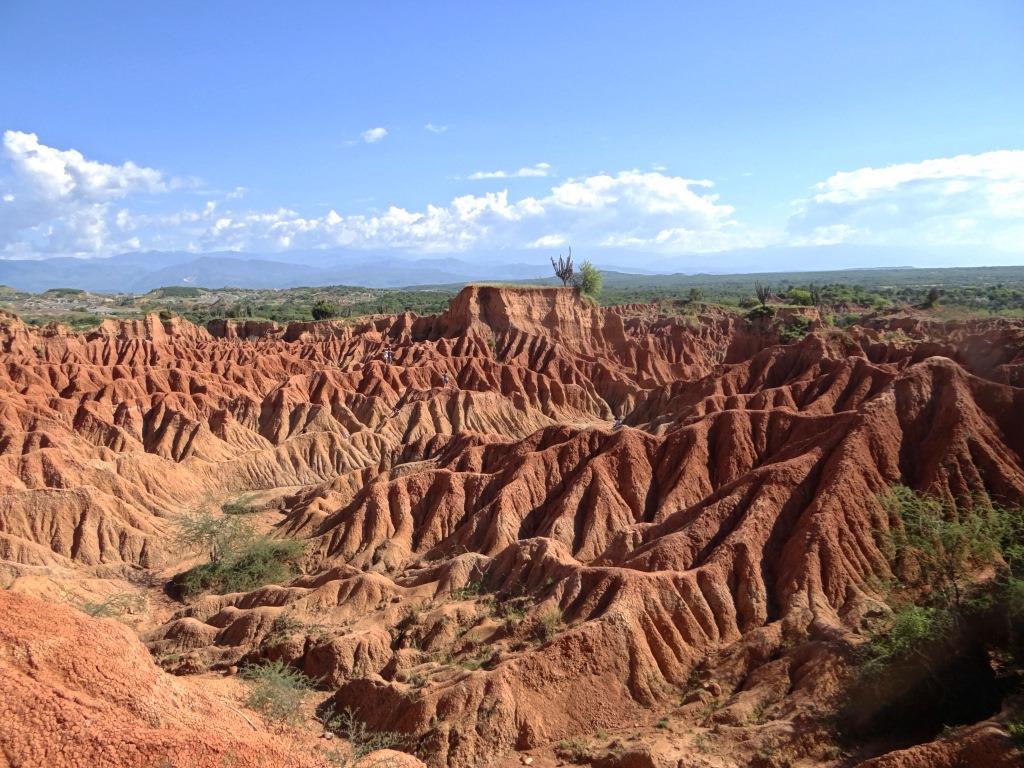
x,y
1016,730
261,561
589,279
240,506
761,312
350,726
215,536
548,625
239,559
795,329
323,310
936,547
276,691
913,631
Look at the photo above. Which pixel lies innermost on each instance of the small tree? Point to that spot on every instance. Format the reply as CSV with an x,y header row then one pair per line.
x,y
589,279
323,310
763,293
695,296
216,537
563,268
815,291
932,298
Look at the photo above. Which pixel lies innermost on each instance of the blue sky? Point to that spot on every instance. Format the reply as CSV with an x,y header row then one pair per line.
x,y
630,130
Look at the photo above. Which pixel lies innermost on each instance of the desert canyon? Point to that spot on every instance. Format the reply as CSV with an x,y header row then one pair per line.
x,y
534,531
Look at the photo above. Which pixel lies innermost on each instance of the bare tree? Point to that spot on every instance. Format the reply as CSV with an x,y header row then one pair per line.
x,y
563,268
764,292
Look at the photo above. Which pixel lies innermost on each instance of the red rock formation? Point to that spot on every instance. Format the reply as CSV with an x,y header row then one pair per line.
x,y
490,565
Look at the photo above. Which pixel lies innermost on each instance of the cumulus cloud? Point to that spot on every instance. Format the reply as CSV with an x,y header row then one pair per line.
x,y
548,241
631,209
57,201
373,135
961,200
538,171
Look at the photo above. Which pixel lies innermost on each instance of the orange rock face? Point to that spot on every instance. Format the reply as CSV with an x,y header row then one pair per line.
x,y
492,565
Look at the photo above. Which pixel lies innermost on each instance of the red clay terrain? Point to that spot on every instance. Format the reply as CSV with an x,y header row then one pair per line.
x,y
495,571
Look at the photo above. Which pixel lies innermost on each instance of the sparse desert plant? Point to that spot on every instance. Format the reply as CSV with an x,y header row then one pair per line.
x,y
763,293
472,589
240,506
115,605
936,546
548,625
563,268
354,729
913,629
283,627
572,750
276,691
794,329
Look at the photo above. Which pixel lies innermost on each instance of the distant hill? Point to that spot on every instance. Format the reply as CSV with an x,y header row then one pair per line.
x,y
144,271
141,272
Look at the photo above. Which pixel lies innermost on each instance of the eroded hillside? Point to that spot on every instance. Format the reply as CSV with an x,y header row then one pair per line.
x,y
534,529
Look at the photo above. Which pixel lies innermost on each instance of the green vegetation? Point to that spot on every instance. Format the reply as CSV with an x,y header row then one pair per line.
x,y
323,310
114,606
548,625
240,506
589,279
276,691
952,649
985,291
362,739
239,559
178,292
794,329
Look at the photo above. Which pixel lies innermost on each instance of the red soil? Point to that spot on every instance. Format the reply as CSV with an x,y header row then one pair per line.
x,y
490,566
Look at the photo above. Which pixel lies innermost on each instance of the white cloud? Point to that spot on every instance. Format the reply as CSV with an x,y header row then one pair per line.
x,y
548,241
631,209
435,128
538,171
373,135
961,200
57,201
63,203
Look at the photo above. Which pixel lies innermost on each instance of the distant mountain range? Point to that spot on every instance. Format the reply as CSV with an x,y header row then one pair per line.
x,y
143,271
